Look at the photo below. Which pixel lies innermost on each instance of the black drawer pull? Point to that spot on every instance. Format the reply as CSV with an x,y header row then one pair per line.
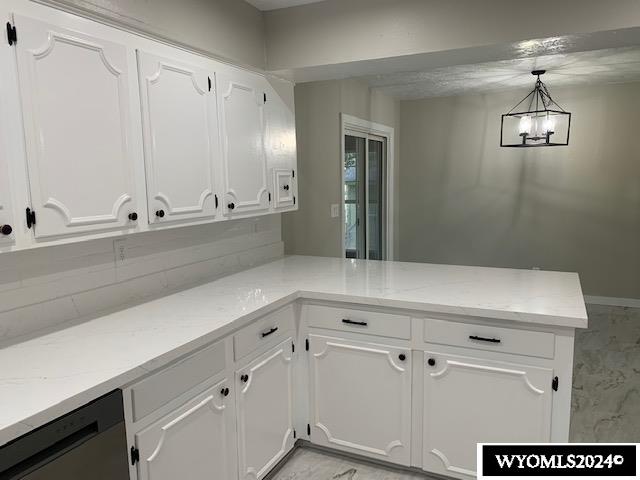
x,y
353,322
269,332
483,339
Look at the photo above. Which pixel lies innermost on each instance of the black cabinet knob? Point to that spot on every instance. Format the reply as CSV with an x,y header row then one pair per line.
x,y
133,216
160,213
231,206
286,187
224,392
402,357
244,378
6,229
431,362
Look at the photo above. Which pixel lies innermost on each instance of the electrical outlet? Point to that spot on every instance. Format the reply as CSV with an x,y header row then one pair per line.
x,y
120,250
335,210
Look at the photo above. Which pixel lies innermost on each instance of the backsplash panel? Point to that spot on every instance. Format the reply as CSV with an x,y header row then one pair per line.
x,y
43,288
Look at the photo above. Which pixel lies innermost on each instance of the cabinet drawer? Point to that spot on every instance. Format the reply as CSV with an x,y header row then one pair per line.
x,y
263,332
358,321
484,337
157,390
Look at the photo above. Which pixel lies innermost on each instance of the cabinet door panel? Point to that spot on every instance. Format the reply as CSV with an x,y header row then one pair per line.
x,y
191,443
75,95
281,144
470,400
180,137
6,217
265,411
244,164
360,398
284,188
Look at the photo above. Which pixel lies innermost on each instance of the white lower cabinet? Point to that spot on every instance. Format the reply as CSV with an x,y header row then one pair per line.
x,y
229,410
471,400
360,397
265,411
192,442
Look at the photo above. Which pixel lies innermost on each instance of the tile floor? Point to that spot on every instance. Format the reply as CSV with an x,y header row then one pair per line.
x,y
606,377
306,464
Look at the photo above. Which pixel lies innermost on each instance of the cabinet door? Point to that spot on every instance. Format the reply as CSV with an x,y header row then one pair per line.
x,y
360,398
285,189
75,91
241,100
7,225
180,138
193,443
265,411
470,400
281,144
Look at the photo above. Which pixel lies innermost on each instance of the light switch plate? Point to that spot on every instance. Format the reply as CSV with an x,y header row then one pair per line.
x,y
335,210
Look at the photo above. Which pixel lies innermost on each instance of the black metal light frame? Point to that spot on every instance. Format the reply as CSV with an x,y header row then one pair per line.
x,y
543,104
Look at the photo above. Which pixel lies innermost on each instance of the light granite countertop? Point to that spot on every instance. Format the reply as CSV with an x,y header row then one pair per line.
x,y
50,375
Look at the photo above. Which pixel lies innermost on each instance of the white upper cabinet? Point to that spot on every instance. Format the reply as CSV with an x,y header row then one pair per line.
x,y
280,144
191,443
470,400
7,224
75,88
180,123
265,411
360,397
241,99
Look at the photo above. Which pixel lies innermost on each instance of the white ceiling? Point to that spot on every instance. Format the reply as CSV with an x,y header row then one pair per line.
x,y
619,65
275,4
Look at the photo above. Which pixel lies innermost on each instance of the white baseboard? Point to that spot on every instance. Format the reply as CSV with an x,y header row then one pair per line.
x,y
613,301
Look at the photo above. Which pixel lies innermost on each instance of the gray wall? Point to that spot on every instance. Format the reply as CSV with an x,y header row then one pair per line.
x,y
231,29
311,230
336,31
464,200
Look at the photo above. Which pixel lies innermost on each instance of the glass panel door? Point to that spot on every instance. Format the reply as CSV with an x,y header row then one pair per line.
x,y
364,196
354,196
375,196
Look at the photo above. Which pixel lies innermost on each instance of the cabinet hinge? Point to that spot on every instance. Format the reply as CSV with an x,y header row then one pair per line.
x,y
209,81
31,217
308,429
306,344
215,198
554,384
12,36
294,434
135,455
265,97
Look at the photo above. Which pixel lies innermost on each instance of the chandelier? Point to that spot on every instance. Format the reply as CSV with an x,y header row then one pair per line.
x,y
543,124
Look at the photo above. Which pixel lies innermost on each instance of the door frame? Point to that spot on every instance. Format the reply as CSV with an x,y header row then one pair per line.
x,y
350,123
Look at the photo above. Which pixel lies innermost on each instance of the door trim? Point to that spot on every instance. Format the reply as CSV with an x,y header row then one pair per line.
x,y
349,123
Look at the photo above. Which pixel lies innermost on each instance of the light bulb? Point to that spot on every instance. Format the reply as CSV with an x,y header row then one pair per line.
x,y
525,125
548,125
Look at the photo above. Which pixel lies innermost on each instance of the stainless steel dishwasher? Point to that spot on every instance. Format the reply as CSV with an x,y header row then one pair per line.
x,y
88,443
